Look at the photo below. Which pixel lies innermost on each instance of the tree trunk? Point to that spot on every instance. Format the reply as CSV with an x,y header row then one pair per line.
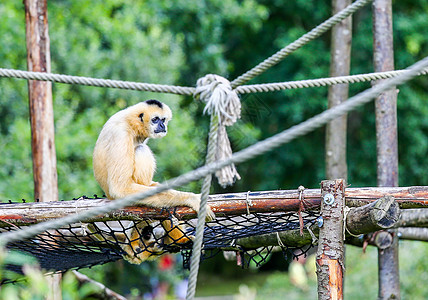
x,y
41,114
335,152
41,109
386,137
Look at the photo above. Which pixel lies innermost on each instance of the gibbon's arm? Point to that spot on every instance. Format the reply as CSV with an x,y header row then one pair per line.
x,y
119,162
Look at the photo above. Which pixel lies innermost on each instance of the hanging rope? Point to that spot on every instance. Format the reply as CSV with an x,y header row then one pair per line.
x,y
205,191
303,40
224,106
220,100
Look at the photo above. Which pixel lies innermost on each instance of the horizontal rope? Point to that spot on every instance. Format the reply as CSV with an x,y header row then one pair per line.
x,y
277,86
303,40
241,156
119,84
161,88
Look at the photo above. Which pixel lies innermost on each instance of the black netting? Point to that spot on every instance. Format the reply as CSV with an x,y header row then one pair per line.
x,y
84,245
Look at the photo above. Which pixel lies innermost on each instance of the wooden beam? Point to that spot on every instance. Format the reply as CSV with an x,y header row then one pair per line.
x,y
330,253
412,233
382,214
222,205
413,218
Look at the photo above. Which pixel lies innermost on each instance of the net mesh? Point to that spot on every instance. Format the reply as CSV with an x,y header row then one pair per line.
x,y
83,245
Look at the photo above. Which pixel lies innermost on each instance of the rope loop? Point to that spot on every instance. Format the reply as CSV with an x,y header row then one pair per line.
x,y
221,101
216,91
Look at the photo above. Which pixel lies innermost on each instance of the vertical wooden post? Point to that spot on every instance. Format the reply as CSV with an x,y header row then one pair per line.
x,y
386,103
41,110
41,114
340,56
386,137
330,253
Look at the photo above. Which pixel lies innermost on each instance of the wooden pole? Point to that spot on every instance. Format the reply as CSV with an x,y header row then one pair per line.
x,y
41,109
387,142
382,214
330,253
341,37
413,218
233,204
412,233
41,113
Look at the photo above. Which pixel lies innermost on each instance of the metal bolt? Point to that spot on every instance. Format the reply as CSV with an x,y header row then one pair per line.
x,y
328,199
320,221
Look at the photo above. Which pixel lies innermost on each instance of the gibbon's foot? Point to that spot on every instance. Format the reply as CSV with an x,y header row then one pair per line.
x,y
175,232
210,214
196,203
138,255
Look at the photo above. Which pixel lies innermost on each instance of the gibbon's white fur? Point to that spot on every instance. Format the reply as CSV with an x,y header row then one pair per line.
x,y
124,164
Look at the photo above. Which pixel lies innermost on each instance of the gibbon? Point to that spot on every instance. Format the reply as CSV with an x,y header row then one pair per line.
x,y
124,164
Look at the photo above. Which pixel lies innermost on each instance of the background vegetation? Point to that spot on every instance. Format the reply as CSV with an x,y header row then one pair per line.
x,y
176,42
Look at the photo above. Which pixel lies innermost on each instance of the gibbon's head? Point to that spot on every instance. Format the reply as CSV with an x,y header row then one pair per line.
x,y
149,119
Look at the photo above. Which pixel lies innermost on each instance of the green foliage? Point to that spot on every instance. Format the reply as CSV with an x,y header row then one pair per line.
x,y
176,42
34,284
360,277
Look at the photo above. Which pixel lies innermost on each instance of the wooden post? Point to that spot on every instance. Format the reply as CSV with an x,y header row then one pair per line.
x,y
340,56
330,253
41,113
386,137
41,110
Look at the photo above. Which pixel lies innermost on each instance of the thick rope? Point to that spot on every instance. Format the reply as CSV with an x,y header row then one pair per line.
x,y
272,87
303,40
162,88
205,191
221,100
238,157
119,84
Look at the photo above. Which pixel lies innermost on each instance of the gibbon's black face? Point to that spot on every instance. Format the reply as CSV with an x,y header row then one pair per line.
x,y
159,124
153,119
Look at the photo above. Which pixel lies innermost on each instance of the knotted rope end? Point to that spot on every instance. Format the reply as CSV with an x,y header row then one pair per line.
x,y
221,100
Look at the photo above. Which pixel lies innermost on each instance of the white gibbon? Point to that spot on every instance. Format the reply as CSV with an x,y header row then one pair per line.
x,y
124,164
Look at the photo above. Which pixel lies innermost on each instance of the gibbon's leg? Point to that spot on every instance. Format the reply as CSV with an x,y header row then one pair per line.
x,y
175,233
168,198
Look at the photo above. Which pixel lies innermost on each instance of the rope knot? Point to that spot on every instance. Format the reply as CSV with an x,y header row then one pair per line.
x,y
216,91
222,101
